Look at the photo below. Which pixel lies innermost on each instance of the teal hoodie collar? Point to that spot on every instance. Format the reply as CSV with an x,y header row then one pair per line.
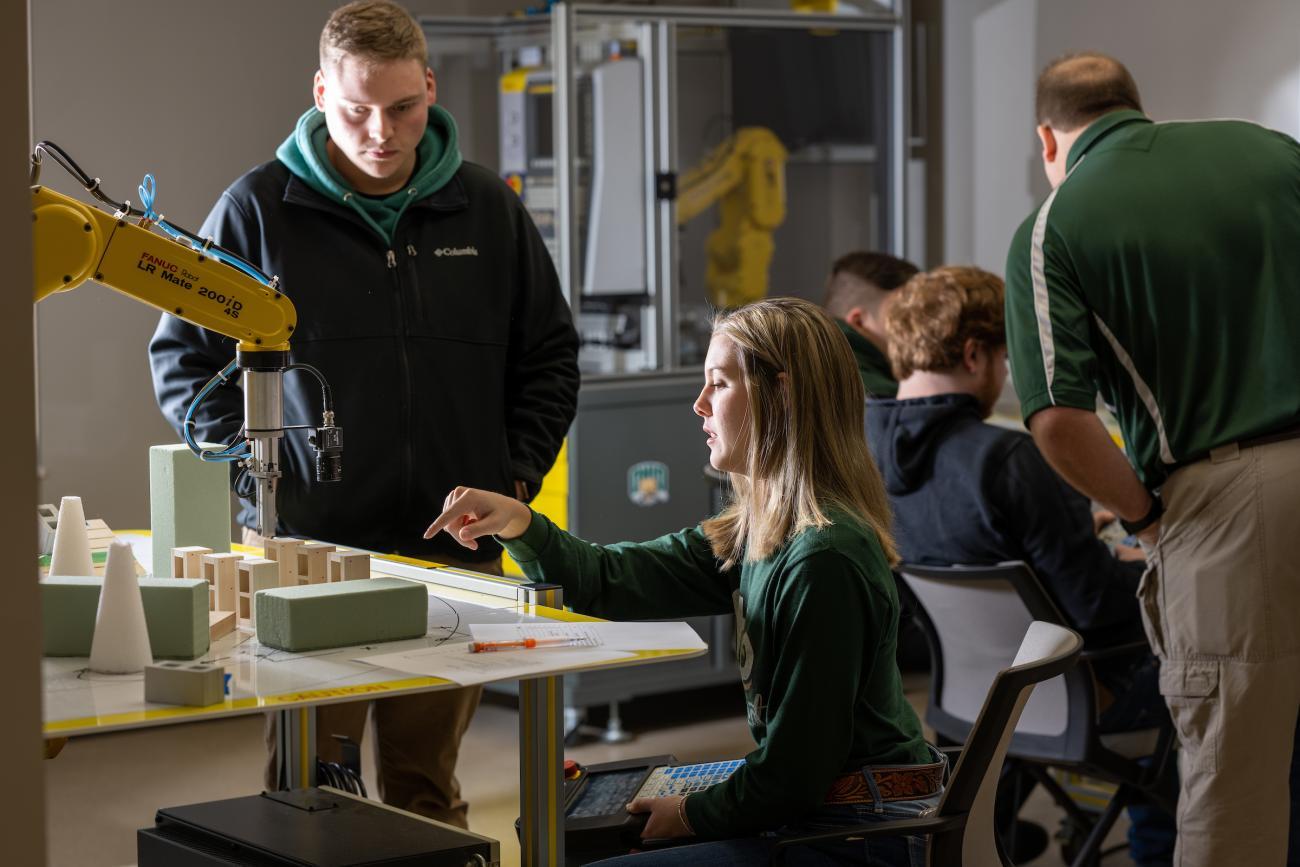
x,y
437,160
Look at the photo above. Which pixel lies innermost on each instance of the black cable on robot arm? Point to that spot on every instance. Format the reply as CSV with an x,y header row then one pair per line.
x,y
326,395
60,156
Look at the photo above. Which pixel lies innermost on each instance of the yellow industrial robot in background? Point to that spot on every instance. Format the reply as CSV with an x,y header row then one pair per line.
x,y
746,175
194,280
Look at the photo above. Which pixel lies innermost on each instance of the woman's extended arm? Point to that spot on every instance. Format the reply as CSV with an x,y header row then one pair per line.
x,y
672,576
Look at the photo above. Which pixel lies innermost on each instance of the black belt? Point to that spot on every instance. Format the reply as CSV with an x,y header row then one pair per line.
x,y
1278,436
1281,435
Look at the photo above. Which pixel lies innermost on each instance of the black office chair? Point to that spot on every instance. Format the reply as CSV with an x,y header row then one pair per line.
x,y
970,616
961,831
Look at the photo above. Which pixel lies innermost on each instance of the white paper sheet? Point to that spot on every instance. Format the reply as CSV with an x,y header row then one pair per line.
x,y
455,663
607,635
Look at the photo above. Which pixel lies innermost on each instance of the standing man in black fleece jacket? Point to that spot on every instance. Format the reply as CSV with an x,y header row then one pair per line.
x,y
967,492
427,298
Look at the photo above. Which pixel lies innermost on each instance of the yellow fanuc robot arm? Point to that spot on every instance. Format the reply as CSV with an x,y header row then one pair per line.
x,y
747,173
74,242
195,281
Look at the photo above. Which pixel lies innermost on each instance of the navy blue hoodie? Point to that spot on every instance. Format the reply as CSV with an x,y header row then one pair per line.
x,y
967,492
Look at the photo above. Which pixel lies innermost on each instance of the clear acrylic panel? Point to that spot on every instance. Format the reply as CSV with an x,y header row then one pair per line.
x,y
713,163
817,106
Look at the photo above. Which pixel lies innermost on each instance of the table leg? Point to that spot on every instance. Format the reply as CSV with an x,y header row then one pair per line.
x,y
541,753
297,748
541,771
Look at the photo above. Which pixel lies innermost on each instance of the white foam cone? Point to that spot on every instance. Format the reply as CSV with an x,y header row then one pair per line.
x,y
121,642
71,541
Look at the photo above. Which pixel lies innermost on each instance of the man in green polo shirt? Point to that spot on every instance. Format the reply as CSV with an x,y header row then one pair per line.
x,y
1163,274
856,293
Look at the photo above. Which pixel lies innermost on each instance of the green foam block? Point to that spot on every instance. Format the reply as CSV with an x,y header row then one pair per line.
x,y
175,611
189,504
317,616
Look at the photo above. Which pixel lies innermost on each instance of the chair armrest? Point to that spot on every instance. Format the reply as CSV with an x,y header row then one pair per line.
x,y
953,754
1116,650
896,827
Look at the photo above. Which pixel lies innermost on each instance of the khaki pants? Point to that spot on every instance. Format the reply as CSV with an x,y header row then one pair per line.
x,y
1221,604
417,738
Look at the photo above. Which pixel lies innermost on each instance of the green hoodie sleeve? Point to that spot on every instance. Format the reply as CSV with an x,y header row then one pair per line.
x,y
672,576
828,633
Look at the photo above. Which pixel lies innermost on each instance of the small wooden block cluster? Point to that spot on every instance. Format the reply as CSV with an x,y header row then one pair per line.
x,y
315,562
234,580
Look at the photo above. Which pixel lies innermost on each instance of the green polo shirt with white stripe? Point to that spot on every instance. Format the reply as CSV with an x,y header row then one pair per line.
x,y
1163,273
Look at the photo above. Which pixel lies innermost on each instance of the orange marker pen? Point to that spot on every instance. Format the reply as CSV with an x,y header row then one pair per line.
x,y
521,644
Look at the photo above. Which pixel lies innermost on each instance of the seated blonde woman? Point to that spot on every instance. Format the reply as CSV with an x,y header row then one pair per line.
x,y
801,556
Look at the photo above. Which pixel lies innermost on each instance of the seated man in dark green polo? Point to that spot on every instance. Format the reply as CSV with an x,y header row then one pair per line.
x,y
856,293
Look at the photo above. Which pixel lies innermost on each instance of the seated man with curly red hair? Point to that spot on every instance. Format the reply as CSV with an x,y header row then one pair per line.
x,y
968,492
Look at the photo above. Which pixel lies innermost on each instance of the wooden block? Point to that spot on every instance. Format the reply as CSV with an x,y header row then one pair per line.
x,y
313,565
220,623
189,503
349,565
254,575
285,552
187,562
221,573
101,537
99,534
196,684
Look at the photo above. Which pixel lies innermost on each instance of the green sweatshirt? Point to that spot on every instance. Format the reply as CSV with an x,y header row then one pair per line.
x,y
1164,274
873,366
816,628
436,160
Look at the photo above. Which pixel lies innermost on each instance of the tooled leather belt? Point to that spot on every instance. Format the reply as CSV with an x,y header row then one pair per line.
x,y
896,783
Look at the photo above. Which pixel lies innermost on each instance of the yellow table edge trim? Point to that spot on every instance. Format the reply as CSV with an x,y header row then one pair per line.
x,y
274,701
268,702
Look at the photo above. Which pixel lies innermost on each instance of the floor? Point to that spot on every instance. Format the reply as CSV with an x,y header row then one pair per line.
x,y
101,789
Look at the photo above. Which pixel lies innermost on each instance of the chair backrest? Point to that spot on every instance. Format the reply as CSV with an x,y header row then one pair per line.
x,y
1046,651
973,617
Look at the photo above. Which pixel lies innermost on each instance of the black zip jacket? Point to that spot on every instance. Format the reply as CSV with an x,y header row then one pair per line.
x,y
452,356
966,492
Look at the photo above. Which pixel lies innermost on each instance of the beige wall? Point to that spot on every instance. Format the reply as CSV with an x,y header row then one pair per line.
x,y
1191,60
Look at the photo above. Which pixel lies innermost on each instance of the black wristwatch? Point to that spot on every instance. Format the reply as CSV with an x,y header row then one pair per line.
x,y
1153,514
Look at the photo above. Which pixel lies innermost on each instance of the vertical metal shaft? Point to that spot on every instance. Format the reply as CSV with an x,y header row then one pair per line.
x,y
263,426
565,147
266,454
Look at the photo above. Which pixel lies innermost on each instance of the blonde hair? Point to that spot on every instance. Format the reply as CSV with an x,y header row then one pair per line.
x,y
936,312
807,448
373,31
